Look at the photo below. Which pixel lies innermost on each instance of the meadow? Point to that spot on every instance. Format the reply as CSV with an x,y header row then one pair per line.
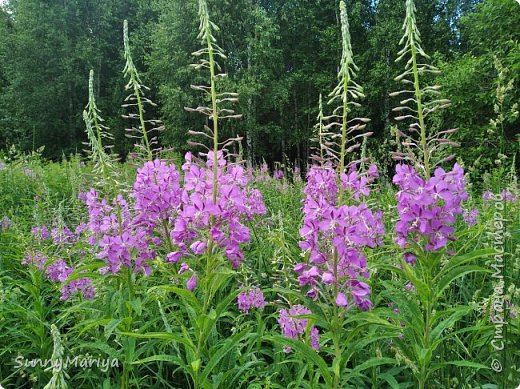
x,y
201,270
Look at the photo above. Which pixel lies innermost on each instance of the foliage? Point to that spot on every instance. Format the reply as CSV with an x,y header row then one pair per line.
x,y
209,272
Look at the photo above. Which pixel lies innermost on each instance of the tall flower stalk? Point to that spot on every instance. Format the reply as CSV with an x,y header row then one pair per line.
x,y
338,225
209,54
424,147
346,92
98,136
145,131
428,203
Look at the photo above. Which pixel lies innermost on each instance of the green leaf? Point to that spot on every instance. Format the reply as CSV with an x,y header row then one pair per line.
x,y
161,358
307,352
110,327
461,260
455,273
372,362
390,380
436,333
108,350
163,336
222,351
473,365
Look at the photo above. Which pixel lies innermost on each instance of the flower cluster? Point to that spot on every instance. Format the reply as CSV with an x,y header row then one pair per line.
x,y
506,196
201,220
117,234
428,209
334,235
58,271
470,217
294,327
181,218
252,298
157,193
5,223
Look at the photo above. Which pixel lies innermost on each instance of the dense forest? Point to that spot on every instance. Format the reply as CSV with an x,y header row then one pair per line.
x,y
281,55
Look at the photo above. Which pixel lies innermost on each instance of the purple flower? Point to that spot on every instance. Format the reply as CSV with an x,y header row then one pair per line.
x,y
470,217
252,298
5,223
278,174
508,196
156,192
184,268
427,210
488,196
197,213
173,256
82,285
334,235
40,233
35,259
294,327
341,300
59,271
192,283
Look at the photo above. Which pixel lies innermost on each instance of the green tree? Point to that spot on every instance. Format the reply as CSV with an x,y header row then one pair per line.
x,y
482,83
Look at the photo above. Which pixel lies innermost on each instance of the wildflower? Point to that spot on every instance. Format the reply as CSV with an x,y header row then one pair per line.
x,y
5,223
427,209
294,327
508,196
198,214
252,298
40,233
82,285
156,192
192,283
58,271
334,235
470,217
35,259
278,174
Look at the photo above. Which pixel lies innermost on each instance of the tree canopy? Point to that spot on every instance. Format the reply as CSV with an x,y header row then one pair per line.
x,y
281,55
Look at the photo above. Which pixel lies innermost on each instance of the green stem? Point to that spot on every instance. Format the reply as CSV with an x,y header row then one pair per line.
x,y
343,133
418,99
214,110
141,116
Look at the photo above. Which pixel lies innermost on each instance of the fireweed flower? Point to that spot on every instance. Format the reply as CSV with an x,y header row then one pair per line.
x,y
252,298
40,233
35,259
428,209
470,217
278,174
200,220
82,285
488,196
163,212
156,192
62,236
5,223
506,195
334,235
120,238
59,271
263,173
294,327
